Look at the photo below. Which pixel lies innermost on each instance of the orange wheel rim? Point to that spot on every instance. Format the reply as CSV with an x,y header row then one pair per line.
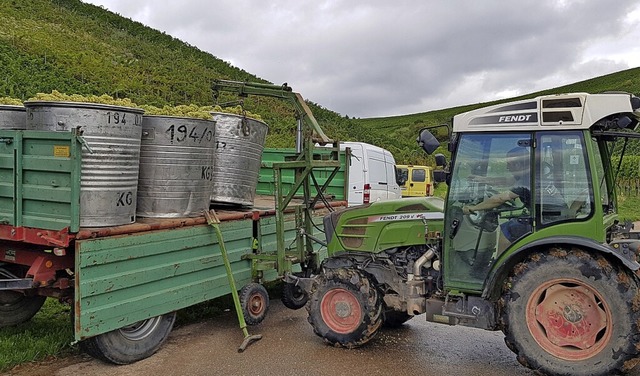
x,y
256,304
341,311
569,319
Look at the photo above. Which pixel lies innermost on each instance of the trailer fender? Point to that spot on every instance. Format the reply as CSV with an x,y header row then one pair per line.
x,y
623,251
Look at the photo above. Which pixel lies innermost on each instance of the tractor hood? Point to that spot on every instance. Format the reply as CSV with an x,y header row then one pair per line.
x,y
384,224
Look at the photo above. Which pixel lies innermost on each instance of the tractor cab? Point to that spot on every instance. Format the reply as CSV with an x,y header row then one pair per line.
x,y
529,173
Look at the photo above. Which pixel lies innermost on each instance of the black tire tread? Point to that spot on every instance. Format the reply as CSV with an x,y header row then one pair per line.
x,y
395,319
20,311
100,346
627,287
291,296
358,283
245,295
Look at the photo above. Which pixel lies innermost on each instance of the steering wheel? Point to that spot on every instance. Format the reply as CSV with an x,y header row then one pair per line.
x,y
487,219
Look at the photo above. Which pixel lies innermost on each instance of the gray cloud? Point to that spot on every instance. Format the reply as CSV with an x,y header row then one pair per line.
x,y
381,58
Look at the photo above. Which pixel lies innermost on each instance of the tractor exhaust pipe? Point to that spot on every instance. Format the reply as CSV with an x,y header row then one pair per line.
x,y
422,261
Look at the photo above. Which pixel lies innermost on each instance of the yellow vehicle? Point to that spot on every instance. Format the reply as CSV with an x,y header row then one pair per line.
x,y
415,181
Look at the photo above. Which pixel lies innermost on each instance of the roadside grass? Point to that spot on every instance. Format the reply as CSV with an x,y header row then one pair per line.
x,y
440,190
48,334
628,207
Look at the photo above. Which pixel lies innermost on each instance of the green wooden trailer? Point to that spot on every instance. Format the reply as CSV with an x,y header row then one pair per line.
x,y
126,282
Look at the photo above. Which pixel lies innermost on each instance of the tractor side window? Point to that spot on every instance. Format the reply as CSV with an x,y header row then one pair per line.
x,y
563,181
599,173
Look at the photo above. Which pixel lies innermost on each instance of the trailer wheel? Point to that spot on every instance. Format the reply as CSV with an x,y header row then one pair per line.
x,y
16,308
254,301
293,297
345,308
395,319
131,343
568,312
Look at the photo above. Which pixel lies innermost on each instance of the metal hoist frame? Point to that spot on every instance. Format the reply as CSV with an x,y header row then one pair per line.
x,y
308,133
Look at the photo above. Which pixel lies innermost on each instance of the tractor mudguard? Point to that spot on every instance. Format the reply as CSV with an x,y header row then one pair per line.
x,y
623,251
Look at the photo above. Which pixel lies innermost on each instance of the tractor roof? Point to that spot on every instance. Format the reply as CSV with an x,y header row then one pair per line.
x,y
551,112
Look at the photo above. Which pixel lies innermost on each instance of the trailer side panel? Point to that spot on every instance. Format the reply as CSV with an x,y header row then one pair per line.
x,y
124,279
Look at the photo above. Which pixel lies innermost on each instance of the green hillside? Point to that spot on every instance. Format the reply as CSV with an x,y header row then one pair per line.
x,y
78,48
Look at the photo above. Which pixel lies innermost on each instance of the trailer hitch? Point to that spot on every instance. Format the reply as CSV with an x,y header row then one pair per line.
x,y
302,232
305,283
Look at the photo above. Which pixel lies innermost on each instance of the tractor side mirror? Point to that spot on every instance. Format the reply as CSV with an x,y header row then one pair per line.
x,y
440,175
427,141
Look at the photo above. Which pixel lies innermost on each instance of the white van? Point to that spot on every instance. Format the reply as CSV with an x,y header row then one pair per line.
x,y
372,174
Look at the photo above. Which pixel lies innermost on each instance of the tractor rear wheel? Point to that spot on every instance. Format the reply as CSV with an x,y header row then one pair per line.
x,y
569,312
345,308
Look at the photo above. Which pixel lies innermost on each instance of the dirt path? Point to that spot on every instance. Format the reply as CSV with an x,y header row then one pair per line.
x,y
289,347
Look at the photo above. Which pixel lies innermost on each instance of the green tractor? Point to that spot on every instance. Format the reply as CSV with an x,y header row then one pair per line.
x,y
526,242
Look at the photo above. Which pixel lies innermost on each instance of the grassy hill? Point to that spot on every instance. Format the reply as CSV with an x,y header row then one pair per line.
x,y
78,48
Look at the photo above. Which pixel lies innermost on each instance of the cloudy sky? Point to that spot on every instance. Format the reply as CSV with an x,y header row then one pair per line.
x,y
382,58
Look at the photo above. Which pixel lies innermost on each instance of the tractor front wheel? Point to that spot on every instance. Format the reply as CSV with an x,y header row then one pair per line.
x,y
569,312
345,309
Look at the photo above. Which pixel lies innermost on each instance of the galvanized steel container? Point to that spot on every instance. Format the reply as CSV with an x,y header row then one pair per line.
x,y
110,157
238,151
176,166
12,117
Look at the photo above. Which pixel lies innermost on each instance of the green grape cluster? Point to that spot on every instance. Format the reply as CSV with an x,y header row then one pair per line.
x,y
10,101
100,99
198,112
190,111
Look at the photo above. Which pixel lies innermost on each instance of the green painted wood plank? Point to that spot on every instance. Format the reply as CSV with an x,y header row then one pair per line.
x,y
266,180
124,279
100,251
147,269
46,194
